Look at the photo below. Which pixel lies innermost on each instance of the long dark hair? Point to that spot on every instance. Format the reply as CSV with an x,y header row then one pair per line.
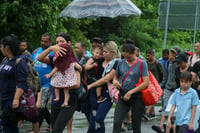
x,y
13,43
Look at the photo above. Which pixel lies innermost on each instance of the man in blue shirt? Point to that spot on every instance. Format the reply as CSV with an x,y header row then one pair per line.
x,y
165,56
42,69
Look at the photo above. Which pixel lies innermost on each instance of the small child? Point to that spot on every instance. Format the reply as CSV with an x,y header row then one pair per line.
x,y
63,75
185,99
93,71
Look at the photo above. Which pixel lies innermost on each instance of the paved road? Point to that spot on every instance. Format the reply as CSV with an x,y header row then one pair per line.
x,y
80,123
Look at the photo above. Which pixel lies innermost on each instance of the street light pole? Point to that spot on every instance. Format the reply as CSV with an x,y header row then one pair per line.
x,y
166,24
196,22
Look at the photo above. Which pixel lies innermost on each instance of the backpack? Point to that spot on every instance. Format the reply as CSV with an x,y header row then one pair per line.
x,y
33,78
27,100
160,70
82,90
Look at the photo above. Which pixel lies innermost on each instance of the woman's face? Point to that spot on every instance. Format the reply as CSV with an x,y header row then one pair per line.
x,y
60,40
3,50
108,55
129,57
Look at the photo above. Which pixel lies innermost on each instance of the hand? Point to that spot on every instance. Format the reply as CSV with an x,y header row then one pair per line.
x,y
169,124
95,64
190,126
127,96
47,76
15,103
89,87
60,51
117,84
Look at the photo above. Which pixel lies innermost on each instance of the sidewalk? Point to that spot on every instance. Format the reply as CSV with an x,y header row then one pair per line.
x,y
80,123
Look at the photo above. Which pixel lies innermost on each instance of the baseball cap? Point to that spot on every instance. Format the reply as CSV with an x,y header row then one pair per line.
x,y
181,57
189,52
175,49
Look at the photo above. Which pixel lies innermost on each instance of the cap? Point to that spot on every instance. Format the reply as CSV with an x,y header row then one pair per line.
x,y
181,57
176,49
188,52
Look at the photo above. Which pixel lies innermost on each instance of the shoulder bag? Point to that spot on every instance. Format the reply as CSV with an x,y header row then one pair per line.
x,y
153,92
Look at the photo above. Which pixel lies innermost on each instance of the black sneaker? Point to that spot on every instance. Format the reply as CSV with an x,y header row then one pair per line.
x,y
122,130
101,99
47,130
157,129
152,116
147,116
129,126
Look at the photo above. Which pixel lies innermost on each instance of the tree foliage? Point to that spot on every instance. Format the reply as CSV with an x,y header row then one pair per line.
x,y
29,19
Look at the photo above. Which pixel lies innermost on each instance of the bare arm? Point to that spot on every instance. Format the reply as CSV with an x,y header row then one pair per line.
x,y
116,82
103,80
56,48
78,67
169,124
190,125
18,94
53,71
90,64
43,56
39,98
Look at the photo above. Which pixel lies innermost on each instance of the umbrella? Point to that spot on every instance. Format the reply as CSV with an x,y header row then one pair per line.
x,y
100,8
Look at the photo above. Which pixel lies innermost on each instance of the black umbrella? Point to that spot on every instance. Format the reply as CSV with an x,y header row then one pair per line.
x,y
100,8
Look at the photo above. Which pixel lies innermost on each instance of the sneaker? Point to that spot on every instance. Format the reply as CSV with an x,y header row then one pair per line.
x,y
152,116
147,116
101,99
47,130
157,129
122,130
129,126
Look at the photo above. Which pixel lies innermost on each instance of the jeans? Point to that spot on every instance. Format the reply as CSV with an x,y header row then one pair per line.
x,y
123,107
98,112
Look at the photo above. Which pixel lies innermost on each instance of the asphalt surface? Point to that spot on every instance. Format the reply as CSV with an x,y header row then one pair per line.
x,y
80,123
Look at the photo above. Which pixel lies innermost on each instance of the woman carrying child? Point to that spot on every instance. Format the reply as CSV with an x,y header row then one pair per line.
x,y
60,116
63,74
99,111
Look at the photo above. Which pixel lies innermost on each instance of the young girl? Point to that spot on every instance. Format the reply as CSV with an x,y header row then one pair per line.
x,y
63,75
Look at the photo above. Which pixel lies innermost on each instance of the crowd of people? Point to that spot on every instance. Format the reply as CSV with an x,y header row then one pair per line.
x,y
60,68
